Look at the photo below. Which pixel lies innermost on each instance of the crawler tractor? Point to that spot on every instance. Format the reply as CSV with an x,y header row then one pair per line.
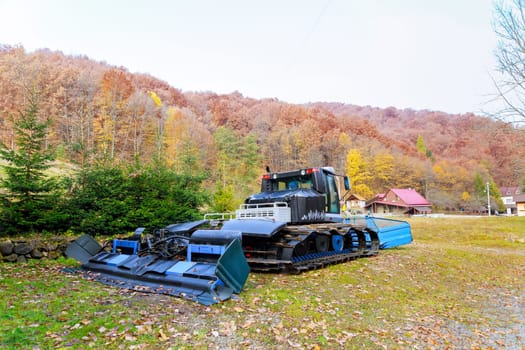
x,y
294,224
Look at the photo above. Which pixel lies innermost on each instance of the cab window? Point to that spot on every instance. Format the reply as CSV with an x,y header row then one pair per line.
x,y
294,183
332,200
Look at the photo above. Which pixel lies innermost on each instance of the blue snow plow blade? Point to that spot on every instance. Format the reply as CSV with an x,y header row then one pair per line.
x,y
211,270
392,233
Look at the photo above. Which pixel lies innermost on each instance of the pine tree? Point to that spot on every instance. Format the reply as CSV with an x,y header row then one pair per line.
x,y
26,191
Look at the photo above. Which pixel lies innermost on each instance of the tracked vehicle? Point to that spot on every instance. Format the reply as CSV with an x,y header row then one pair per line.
x,y
294,224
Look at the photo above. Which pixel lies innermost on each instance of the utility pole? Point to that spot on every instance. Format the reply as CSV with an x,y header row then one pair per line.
x,y
488,196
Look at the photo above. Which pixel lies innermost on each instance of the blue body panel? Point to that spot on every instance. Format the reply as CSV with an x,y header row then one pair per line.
x,y
392,233
255,228
185,227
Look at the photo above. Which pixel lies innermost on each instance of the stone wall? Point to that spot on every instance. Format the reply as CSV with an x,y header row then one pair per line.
x,y
22,249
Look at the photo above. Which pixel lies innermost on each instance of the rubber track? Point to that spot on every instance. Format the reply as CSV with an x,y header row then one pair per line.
x,y
311,261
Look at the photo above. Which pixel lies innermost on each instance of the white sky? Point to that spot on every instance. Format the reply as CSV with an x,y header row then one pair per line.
x,y
420,54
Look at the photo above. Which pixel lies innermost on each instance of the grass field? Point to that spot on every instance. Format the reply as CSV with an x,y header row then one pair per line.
x,y
461,284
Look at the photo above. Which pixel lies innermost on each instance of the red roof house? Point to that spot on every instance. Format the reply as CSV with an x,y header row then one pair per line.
x,y
399,201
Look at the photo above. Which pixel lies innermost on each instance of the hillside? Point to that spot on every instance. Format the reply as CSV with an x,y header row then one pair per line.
x,y
102,111
459,139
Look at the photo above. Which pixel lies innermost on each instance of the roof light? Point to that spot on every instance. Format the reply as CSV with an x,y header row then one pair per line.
x,y
266,177
312,170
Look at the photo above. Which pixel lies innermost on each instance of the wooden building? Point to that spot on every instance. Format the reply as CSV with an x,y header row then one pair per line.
x,y
520,204
398,201
355,204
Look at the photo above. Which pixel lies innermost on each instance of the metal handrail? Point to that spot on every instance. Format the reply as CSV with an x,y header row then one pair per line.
x,y
264,205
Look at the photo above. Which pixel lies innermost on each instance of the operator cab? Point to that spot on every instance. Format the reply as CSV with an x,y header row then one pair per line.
x,y
309,182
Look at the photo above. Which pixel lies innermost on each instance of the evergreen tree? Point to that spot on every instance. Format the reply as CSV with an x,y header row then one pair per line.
x,y
108,199
480,189
157,196
238,162
96,201
28,196
223,200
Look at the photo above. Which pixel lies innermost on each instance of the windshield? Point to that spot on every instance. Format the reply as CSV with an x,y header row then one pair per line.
x,y
294,183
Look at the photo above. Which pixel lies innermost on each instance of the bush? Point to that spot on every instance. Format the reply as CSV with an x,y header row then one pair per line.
x,y
110,200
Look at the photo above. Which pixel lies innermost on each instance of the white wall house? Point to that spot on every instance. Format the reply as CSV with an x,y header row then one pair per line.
x,y
520,204
508,196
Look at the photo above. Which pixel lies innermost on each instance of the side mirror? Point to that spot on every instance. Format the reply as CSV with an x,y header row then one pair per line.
x,y
346,181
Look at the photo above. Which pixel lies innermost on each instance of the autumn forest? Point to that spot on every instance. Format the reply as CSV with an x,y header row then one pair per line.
x,y
99,113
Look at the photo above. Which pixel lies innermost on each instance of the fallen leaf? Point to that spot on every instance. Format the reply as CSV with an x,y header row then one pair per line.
x,y
162,336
